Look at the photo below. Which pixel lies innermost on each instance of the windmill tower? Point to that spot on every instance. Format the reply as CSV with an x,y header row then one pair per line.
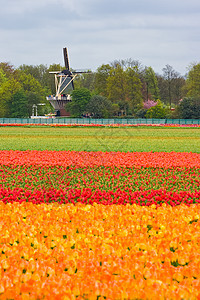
x,y
64,83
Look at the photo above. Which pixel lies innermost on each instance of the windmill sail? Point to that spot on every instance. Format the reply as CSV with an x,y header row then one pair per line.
x,y
66,59
66,85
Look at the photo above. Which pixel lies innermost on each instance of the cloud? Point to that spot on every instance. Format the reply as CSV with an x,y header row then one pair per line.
x,y
114,7
96,32
26,15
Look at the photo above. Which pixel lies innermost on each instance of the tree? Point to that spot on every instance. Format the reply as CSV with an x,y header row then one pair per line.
x,y
152,90
115,109
85,80
42,76
133,89
38,72
148,104
3,77
174,83
128,63
19,105
169,74
80,99
193,81
8,70
189,108
35,93
14,83
101,77
99,107
124,86
30,84
7,89
116,88
178,89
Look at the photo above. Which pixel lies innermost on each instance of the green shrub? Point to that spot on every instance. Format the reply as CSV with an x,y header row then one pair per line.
x,y
156,112
189,108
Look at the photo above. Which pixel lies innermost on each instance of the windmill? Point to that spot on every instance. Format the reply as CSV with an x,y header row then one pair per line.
x,y
64,83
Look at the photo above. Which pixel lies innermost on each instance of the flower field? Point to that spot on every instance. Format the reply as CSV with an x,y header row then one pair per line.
x,y
99,225
101,177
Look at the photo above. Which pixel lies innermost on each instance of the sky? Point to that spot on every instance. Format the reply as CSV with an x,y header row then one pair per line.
x,y
96,32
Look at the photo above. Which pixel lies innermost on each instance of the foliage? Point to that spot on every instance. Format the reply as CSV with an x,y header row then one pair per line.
x,y
189,108
116,86
85,80
80,99
133,89
19,105
151,84
33,98
128,63
178,89
141,113
7,89
30,84
124,88
169,74
193,81
99,107
20,83
115,109
8,70
40,72
3,77
156,112
172,85
124,82
101,77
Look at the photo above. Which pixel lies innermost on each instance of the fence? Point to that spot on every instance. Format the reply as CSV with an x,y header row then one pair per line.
x,y
98,121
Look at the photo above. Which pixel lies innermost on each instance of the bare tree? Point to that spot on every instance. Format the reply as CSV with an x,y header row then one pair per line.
x,y
170,75
128,63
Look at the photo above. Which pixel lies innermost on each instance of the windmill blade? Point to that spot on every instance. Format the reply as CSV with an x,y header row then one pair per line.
x,y
66,60
82,72
73,84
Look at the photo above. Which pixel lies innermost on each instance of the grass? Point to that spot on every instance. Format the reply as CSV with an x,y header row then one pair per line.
x,y
101,139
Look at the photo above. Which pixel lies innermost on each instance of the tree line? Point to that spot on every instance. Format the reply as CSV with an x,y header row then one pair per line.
x,y
123,88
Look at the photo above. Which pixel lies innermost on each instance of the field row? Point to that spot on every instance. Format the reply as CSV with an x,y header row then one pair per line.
x,y
102,138
105,185
100,177
106,159
99,252
95,125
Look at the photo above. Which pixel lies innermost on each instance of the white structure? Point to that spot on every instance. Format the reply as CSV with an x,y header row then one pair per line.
x,y
35,111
